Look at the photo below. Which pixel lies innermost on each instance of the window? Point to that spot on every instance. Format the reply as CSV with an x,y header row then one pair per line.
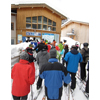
x,y
39,26
44,27
44,20
54,23
28,19
39,19
49,22
28,26
41,23
12,26
12,41
34,26
54,29
49,28
34,19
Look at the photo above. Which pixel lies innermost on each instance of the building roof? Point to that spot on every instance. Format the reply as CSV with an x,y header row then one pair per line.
x,y
14,6
70,21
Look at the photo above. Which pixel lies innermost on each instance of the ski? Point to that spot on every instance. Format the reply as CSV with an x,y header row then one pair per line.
x,y
86,94
71,92
32,93
38,92
67,93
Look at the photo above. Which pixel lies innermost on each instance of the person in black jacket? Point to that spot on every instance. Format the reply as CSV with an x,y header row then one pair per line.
x,y
85,54
40,46
31,58
65,51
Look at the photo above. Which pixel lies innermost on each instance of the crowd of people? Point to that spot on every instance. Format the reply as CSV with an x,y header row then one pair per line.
x,y
58,65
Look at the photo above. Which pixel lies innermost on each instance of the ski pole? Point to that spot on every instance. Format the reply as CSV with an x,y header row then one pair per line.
x,y
31,93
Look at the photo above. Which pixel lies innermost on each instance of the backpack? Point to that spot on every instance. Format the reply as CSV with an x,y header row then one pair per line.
x,y
86,55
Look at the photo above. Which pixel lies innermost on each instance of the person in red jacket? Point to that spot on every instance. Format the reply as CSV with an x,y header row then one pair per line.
x,y
23,76
49,46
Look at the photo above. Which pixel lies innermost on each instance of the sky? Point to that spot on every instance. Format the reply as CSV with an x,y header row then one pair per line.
x,y
73,9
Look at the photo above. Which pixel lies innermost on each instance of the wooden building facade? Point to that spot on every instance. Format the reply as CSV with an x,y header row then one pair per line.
x,y
36,20
76,30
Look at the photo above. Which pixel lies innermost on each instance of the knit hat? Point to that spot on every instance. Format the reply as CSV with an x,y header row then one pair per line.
x,y
53,53
24,55
85,44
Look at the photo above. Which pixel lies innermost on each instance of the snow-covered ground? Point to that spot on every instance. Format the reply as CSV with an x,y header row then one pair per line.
x,y
15,51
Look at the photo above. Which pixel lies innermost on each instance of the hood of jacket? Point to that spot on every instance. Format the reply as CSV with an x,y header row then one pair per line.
x,y
52,60
43,52
23,61
74,51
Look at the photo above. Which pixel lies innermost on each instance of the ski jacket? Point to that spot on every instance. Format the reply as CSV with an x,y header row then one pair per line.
x,y
23,76
61,46
49,47
42,57
65,51
73,58
54,74
57,48
53,43
85,49
39,47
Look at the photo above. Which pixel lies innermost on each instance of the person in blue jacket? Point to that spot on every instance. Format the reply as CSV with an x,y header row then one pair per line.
x,y
54,74
72,58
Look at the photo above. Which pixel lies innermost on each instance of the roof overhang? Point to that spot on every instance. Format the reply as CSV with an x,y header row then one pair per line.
x,y
73,21
32,5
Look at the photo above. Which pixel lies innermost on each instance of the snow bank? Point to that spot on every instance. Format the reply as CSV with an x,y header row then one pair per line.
x,y
16,49
70,41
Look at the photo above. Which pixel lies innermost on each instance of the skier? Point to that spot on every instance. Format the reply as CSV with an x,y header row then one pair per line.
x,y
73,57
85,55
65,51
60,45
40,46
23,76
53,43
49,47
54,74
64,42
42,57
31,58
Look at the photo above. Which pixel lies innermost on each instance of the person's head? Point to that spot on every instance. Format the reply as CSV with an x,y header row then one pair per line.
x,y
73,47
64,41
24,55
31,45
53,53
53,40
61,42
44,47
49,42
85,44
42,40
66,46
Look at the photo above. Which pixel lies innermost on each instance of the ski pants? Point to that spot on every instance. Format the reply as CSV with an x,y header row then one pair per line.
x,y
73,82
20,98
87,84
83,71
39,82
